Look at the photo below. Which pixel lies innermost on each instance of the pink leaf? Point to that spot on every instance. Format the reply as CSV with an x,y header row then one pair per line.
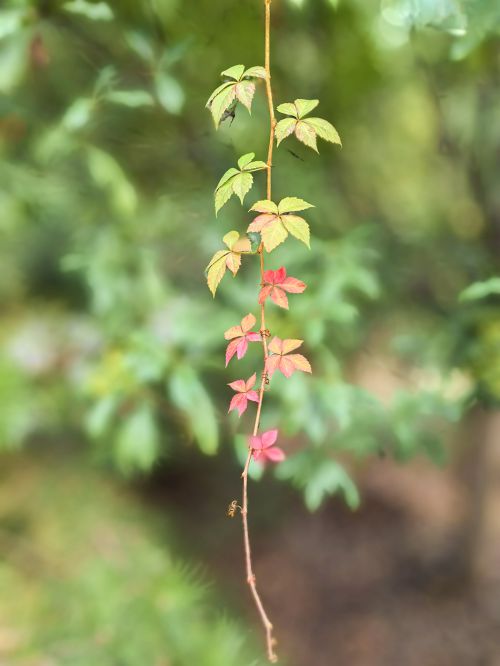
x,y
272,364
241,347
238,385
253,395
286,366
231,349
263,447
279,297
264,293
253,336
293,286
268,438
276,345
275,454
261,221
239,402
250,383
283,361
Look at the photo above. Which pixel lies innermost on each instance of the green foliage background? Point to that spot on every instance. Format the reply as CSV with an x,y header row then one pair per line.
x,y
108,161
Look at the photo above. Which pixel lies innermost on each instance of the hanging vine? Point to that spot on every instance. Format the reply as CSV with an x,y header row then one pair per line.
x,y
271,227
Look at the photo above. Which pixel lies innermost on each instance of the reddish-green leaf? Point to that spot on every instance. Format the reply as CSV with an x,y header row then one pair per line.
x,y
245,90
324,130
284,128
306,134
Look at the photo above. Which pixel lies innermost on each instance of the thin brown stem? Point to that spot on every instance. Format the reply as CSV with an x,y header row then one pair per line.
x,y
251,580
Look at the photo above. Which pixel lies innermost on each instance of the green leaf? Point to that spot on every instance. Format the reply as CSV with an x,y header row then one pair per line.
x,y
328,479
273,234
131,98
170,93
230,173
297,227
284,128
306,134
324,130
292,205
11,20
221,102
256,72
235,72
479,290
288,109
265,206
190,396
305,106
237,182
245,159
137,443
258,165
78,114
255,240
217,91
96,11
100,416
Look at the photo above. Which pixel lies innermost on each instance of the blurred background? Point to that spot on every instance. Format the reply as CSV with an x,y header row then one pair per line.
x,y
377,542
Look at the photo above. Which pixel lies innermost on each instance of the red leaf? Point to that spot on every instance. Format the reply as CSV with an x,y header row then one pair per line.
x,y
276,283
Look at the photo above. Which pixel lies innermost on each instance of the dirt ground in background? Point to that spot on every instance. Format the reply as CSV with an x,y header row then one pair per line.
x,y
392,584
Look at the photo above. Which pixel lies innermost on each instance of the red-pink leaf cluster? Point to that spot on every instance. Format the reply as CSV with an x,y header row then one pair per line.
x,y
283,361
263,447
240,336
276,283
244,393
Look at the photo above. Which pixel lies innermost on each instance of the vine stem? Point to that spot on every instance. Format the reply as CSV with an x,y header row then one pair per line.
x,y
251,580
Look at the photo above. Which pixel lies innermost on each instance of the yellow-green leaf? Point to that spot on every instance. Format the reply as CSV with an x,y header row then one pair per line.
x,y
298,227
242,184
273,234
230,238
293,205
216,270
265,206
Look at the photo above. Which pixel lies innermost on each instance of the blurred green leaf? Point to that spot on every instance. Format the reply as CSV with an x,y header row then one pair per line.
x,y
480,290
190,396
137,442
96,11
